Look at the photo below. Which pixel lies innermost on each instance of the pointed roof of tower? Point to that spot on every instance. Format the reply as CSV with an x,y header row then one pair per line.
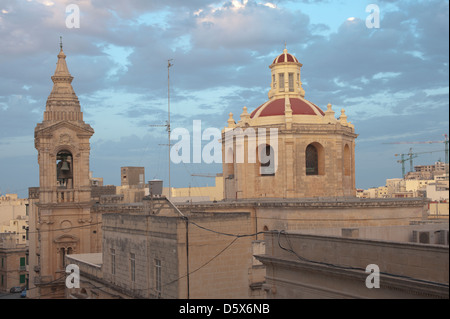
x,y
62,104
62,71
62,81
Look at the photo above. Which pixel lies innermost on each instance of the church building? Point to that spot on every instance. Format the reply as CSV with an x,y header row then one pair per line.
x,y
291,147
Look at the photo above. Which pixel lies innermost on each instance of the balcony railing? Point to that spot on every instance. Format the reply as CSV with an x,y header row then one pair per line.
x,y
65,195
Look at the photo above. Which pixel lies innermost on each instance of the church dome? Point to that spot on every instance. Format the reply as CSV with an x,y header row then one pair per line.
x,y
285,57
276,107
287,104
286,96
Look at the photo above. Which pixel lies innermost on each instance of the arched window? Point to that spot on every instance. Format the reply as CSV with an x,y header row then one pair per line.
x,y
64,169
312,160
315,159
267,161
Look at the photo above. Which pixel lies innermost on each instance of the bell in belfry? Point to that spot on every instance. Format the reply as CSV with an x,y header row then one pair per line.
x,y
65,166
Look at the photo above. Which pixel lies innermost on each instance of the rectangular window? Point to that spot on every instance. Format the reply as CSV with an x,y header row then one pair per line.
x,y
113,261
133,267
281,80
291,82
22,279
158,282
22,264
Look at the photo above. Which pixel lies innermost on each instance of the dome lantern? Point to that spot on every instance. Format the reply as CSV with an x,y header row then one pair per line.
x,y
286,76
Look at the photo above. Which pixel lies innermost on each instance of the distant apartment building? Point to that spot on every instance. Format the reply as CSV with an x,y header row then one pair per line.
x,y
12,207
13,242
428,181
374,192
198,193
17,226
427,172
132,176
13,262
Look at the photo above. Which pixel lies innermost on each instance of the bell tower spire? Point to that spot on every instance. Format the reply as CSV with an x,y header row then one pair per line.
x,y
62,103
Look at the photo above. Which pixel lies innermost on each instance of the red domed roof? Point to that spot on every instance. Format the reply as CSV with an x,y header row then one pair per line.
x,y
285,57
276,107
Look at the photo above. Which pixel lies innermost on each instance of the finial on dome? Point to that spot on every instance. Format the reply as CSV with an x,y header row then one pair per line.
x,y
245,116
231,122
60,43
343,118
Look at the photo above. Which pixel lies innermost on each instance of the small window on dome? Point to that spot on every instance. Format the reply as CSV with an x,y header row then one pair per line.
x,y
281,80
291,82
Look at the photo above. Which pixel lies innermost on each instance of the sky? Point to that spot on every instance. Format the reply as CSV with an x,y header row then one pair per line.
x,y
393,81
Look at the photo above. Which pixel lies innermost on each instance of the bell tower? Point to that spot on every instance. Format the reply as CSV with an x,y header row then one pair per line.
x,y
62,142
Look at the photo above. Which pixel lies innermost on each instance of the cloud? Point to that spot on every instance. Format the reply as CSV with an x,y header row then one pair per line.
x,y
221,51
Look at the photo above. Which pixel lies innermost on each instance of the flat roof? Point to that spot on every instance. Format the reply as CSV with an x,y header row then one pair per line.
x,y
94,259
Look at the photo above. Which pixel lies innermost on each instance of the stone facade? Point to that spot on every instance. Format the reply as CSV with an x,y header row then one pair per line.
x,y
154,251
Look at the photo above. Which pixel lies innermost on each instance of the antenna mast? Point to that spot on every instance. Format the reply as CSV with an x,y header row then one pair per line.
x,y
169,65
167,125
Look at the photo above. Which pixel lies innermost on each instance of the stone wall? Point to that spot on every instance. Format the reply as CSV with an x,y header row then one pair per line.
x,y
219,260
312,266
